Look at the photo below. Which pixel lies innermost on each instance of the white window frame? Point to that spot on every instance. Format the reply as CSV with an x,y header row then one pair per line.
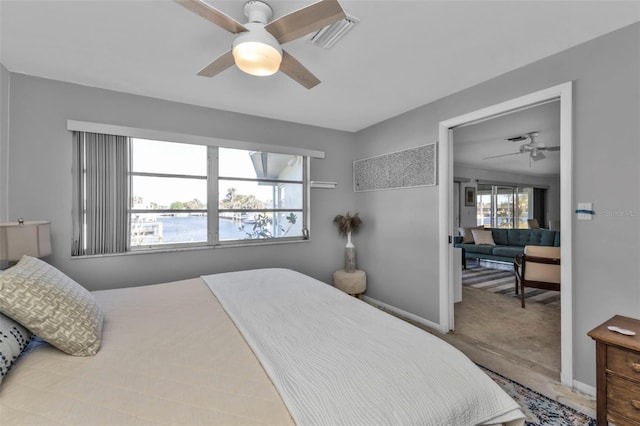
x,y
214,208
517,189
212,180
132,211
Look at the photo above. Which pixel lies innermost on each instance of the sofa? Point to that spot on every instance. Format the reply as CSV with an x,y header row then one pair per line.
x,y
507,243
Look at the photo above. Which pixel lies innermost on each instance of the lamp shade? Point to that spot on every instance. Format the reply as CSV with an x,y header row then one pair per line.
x,y
20,238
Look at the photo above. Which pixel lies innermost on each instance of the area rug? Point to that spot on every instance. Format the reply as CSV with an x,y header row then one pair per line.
x,y
537,408
502,281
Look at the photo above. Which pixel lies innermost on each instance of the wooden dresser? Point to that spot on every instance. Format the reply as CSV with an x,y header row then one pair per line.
x,y
618,372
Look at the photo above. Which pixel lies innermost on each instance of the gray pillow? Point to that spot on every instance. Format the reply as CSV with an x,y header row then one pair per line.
x,y
14,339
467,236
52,306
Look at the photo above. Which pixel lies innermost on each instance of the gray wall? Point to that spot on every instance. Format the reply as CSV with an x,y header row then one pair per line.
x,y
40,175
4,142
398,246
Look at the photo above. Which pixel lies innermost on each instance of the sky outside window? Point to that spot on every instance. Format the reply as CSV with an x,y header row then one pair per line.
x,y
151,156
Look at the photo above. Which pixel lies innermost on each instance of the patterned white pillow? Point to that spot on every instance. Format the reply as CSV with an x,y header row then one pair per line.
x,y
483,237
52,305
14,339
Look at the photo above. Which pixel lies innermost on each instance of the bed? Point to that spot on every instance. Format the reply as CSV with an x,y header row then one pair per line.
x,y
256,347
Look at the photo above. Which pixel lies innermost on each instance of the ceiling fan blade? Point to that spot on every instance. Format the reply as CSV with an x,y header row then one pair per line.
x,y
213,15
220,64
503,155
294,69
517,138
551,148
306,20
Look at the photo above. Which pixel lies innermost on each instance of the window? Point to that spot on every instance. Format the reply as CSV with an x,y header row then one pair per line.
x,y
260,195
503,206
169,193
165,193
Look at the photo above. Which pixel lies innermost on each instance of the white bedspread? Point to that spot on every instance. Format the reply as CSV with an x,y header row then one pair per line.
x,y
336,360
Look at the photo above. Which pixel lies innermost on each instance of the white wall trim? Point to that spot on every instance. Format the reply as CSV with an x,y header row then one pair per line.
x,y
564,92
134,132
446,213
4,156
405,314
584,388
566,236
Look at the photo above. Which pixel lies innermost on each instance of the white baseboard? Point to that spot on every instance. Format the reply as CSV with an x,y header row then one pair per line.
x,y
405,314
584,388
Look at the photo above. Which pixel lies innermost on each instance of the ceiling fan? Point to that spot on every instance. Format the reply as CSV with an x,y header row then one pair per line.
x,y
533,147
256,50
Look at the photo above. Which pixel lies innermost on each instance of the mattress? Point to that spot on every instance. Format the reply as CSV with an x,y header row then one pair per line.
x,y
171,354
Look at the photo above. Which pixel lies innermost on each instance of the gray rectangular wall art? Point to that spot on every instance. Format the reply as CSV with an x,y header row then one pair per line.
x,y
403,169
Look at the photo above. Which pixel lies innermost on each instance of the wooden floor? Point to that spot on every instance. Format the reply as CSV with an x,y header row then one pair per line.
x,y
528,337
521,344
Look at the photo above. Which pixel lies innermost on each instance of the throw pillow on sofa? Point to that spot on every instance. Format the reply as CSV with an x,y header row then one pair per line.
x,y
482,237
467,236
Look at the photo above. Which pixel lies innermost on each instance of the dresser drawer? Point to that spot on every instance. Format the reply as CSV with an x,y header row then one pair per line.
x,y
623,362
623,399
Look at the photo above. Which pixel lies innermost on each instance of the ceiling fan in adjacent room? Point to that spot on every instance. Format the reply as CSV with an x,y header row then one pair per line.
x,y
532,147
256,50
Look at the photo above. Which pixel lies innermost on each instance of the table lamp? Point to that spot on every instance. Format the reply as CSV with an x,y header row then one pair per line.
x,y
20,238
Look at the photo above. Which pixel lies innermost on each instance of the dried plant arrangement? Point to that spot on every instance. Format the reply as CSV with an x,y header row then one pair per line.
x,y
347,223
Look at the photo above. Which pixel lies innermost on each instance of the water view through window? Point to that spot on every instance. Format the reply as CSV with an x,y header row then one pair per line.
x,y
260,194
500,206
189,228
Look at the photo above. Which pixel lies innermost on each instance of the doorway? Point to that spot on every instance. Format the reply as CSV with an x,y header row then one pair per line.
x,y
562,92
492,156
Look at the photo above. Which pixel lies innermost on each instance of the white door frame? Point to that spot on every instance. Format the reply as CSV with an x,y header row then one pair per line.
x,y
564,92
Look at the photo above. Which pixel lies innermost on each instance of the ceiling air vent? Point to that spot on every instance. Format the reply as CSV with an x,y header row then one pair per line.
x,y
329,35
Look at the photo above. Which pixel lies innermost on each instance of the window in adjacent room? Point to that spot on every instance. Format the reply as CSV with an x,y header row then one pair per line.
x,y
503,206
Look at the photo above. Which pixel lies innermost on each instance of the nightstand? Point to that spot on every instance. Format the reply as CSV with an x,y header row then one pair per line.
x,y
617,372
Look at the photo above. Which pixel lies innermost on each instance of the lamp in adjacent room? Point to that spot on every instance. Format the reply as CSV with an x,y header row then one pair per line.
x,y
32,238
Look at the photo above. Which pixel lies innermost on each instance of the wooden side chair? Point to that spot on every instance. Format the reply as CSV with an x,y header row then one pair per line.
x,y
538,267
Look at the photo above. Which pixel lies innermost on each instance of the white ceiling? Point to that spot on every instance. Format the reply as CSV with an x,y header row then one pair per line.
x,y
473,143
403,54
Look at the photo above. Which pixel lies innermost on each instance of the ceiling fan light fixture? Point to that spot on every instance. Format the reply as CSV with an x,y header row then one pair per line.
x,y
257,52
257,58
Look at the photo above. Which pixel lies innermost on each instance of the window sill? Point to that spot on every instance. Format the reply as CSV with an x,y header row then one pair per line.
x,y
186,249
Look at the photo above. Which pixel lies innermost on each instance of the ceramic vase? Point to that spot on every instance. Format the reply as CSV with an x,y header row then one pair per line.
x,y
349,255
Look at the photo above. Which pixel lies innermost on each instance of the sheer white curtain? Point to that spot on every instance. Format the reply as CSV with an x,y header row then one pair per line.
x,y
101,193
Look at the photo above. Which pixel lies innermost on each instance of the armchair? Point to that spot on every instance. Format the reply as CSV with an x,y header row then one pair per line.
x,y
538,267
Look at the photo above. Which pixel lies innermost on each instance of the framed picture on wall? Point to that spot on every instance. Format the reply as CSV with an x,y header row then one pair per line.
x,y
469,196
